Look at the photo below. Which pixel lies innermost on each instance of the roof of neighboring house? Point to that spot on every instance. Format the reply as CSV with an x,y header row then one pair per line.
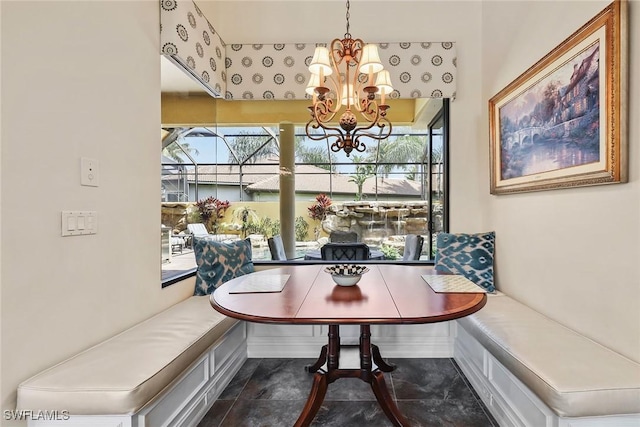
x,y
311,179
230,174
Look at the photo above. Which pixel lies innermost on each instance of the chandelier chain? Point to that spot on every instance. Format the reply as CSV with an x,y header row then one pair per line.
x,y
347,35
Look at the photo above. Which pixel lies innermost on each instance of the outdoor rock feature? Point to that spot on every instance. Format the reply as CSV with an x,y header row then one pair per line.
x,y
174,216
376,222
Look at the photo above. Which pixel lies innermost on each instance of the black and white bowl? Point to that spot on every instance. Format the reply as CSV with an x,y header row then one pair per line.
x,y
346,274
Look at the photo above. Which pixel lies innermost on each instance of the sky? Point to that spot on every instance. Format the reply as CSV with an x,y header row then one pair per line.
x,y
213,150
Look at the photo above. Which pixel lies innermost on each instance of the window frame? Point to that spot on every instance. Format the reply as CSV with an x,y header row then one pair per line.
x,y
443,114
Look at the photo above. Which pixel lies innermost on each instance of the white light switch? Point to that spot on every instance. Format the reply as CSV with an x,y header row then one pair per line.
x,y
88,172
78,223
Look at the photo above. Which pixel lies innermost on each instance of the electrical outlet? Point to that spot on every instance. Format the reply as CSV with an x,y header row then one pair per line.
x,y
88,172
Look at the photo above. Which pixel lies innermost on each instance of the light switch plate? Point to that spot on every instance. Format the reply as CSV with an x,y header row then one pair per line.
x,y
79,223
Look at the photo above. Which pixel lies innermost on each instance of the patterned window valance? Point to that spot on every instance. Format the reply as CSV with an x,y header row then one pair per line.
x,y
187,37
279,71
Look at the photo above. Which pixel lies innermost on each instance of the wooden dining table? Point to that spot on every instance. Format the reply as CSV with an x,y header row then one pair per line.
x,y
387,294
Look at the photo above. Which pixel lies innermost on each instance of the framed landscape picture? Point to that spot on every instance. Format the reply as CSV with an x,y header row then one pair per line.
x,y
563,122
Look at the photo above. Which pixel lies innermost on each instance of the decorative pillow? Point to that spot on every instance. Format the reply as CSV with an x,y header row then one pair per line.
x,y
470,255
220,262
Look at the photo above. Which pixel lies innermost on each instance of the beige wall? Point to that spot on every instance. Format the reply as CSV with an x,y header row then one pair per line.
x,y
571,254
2,386
78,79
82,79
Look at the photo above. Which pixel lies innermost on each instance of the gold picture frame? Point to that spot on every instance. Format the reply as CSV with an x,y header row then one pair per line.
x,y
563,122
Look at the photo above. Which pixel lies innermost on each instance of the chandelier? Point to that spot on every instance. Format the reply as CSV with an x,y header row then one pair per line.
x,y
348,74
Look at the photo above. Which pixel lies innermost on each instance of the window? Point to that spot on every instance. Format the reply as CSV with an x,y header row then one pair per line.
x,y
395,187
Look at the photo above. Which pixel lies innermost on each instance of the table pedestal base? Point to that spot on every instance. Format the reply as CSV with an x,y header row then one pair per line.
x,y
330,355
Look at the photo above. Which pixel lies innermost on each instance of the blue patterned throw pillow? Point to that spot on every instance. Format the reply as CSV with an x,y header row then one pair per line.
x,y
470,255
220,262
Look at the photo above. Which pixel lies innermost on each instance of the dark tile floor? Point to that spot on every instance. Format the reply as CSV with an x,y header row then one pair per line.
x,y
272,392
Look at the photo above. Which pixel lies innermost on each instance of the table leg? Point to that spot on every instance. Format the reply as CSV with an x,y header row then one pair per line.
x,y
333,357
387,404
377,358
322,359
365,353
330,354
314,401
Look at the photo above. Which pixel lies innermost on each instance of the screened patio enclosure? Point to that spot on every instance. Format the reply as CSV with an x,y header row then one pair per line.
x,y
395,187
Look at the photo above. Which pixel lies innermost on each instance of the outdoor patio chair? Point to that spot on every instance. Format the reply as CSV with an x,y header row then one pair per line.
x,y
177,244
345,252
198,229
343,237
277,248
412,247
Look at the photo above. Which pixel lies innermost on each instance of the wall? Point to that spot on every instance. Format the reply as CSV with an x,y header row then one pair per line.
x,y
571,254
222,192
78,79
68,92
2,387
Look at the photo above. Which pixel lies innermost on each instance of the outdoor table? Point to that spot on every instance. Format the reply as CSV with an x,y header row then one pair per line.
x,y
315,255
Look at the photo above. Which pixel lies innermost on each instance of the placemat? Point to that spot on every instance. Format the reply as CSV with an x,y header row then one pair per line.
x,y
451,283
260,283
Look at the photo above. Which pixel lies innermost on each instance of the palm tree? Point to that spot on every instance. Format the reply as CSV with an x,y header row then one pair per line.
x,y
363,172
246,216
173,150
316,155
404,149
250,148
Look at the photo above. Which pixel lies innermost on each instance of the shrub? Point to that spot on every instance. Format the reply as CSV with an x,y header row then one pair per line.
x,y
211,211
390,252
319,209
265,226
302,229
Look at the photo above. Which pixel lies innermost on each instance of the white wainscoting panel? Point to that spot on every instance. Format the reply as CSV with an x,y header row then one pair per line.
x,y
303,341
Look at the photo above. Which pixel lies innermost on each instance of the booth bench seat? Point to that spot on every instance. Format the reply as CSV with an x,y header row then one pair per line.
x,y
532,371
167,370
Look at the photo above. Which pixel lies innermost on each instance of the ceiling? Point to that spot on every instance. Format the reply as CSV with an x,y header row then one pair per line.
x,y
175,79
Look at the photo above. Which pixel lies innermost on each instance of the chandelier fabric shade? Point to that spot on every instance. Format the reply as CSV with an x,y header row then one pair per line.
x,y
370,62
314,81
320,63
345,80
383,83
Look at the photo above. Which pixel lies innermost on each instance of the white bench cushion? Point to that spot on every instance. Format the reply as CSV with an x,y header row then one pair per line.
x,y
572,374
122,374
